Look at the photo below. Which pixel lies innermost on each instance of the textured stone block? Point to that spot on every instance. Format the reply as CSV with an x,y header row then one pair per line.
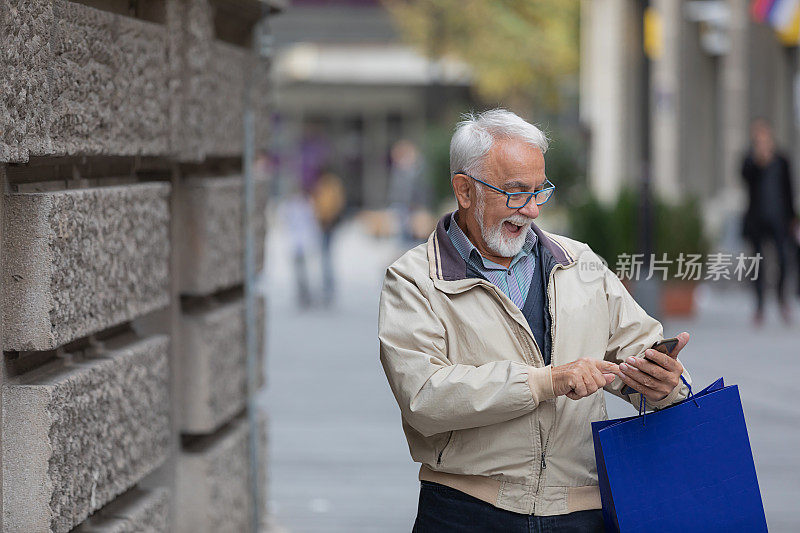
x,y
214,481
208,80
136,511
227,68
79,80
211,245
263,101
191,35
108,84
79,261
75,436
25,28
84,81
214,365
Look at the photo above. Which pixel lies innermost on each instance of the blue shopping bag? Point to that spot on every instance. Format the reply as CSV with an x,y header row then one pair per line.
x,y
685,468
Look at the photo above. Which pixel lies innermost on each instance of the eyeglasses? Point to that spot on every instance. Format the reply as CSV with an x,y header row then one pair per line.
x,y
518,200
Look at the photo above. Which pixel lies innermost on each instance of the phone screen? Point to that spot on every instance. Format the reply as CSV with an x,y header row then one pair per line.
x,y
666,346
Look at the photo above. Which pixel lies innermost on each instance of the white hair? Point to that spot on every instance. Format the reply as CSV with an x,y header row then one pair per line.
x,y
475,135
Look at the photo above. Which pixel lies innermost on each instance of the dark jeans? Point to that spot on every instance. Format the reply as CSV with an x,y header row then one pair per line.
x,y
328,278
444,509
779,238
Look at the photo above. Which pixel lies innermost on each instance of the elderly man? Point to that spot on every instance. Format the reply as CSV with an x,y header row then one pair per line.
x,y
497,336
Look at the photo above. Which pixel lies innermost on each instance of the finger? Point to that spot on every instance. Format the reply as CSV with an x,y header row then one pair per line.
x,y
591,385
580,387
572,396
598,378
652,369
663,360
644,380
683,340
606,366
640,388
609,378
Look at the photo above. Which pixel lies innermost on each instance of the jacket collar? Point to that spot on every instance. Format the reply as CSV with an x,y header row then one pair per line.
x,y
446,264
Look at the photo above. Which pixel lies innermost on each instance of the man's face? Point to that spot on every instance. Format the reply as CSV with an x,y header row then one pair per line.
x,y
763,141
514,166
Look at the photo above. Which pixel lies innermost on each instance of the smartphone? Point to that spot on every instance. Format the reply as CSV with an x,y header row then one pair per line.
x,y
666,346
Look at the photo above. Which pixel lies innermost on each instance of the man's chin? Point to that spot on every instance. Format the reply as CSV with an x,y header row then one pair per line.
x,y
508,249
513,241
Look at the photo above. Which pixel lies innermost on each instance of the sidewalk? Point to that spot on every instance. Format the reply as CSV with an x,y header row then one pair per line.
x,y
338,458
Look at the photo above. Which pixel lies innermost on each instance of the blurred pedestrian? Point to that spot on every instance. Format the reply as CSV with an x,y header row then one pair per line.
x,y
303,231
770,214
408,188
329,200
498,338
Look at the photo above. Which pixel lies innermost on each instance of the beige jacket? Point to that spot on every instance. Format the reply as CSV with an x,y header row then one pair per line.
x,y
477,402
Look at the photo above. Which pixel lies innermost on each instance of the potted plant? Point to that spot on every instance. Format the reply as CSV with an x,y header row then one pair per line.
x,y
612,230
679,230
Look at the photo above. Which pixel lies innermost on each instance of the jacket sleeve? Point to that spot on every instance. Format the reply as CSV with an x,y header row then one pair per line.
x,y
434,394
631,331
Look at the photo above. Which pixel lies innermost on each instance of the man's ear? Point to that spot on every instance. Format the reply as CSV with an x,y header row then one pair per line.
x,y
461,188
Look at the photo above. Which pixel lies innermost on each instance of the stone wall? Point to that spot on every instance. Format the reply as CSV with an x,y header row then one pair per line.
x,y
124,376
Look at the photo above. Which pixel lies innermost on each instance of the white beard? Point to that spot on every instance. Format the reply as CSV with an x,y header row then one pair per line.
x,y
494,238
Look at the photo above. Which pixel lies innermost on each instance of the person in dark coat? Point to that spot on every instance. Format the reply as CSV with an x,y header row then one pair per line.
x,y
770,214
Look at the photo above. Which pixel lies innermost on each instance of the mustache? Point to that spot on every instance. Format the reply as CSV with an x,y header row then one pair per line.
x,y
518,219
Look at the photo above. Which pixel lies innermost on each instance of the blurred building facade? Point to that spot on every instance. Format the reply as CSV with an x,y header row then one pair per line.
x,y
347,89
125,362
713,68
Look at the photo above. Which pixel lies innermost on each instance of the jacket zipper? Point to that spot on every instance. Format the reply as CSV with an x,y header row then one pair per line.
x,y
439,459
552,362
552,306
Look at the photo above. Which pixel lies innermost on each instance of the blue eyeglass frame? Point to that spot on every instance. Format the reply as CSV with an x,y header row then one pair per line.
x,y
510,194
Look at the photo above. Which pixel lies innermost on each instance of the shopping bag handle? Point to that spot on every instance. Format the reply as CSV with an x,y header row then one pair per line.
x,y
642,412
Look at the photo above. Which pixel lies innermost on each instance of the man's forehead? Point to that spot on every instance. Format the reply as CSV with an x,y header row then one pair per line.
x,y
515,152
515,157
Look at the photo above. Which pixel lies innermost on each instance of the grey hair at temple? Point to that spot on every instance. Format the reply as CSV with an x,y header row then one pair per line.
x,y
476,133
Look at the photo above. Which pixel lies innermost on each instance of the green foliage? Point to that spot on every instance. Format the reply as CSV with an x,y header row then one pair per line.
x,y
564,164
614,230
680,229
518,50
437,155
609,230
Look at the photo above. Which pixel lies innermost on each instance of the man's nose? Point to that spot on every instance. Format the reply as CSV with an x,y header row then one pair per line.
x,y
530,210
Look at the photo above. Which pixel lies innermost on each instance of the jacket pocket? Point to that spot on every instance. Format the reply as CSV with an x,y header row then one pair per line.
x,y
441,452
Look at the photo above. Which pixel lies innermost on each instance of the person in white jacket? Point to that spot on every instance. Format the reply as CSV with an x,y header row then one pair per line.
x,y
496,336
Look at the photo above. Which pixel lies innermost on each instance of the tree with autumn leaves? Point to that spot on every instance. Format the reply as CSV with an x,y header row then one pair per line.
x,y
522,53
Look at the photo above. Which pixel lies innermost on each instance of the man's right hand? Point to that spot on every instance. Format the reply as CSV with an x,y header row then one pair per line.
x,y
583,377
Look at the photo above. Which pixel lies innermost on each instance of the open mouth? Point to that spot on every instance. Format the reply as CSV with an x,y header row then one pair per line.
x,y
512,228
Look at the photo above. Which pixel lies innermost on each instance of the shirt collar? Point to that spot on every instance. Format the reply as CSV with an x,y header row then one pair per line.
x,y
470,253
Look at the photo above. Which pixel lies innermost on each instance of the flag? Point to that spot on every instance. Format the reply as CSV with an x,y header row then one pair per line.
x,y
785,18
759,9
782,15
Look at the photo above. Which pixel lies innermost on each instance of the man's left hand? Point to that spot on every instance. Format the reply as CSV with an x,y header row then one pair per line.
x,y
657,375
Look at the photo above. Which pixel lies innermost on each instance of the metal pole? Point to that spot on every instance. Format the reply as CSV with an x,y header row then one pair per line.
x,y
648,292
249,297
4,190
248,217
